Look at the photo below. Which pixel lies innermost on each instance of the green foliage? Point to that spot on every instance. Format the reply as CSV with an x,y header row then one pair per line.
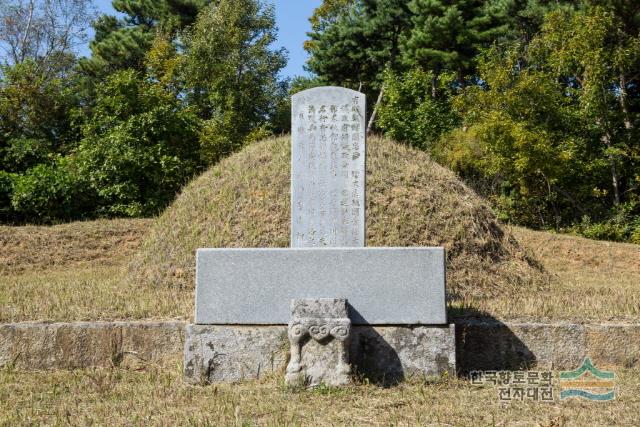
x,y
598,54
551,134
328,13
624,226
6,191
353,42
359,42
139,147
49,192
446,35
36,114
156,107
122,43
410,114
118,48
231,73
300,83
518,138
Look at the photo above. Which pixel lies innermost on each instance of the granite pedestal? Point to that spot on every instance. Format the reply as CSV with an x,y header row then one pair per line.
x,y
243,305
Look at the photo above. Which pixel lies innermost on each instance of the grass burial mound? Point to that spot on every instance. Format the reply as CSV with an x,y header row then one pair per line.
x,y
411,201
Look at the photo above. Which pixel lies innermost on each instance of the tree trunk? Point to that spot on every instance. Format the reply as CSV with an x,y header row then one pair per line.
x,y
461,81
615,181
434,86
375,111
628,125
23,50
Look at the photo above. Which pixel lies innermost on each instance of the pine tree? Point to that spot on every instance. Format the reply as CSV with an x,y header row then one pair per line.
x,y
338,51
356,47
386,21
123,43
446,35
328,13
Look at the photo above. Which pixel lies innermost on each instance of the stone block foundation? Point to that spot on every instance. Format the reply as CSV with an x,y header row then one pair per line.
x,y
382,354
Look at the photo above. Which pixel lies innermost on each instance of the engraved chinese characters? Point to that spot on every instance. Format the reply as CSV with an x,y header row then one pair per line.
x,y
328,168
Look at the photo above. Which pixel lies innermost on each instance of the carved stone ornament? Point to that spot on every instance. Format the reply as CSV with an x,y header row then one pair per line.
x,y
319,344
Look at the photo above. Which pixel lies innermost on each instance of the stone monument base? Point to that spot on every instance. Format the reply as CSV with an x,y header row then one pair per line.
x,y
382,354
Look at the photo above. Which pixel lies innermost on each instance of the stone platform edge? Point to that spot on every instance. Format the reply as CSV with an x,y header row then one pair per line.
x,y
480,344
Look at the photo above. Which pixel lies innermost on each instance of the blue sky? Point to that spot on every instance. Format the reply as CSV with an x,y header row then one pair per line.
x,y
293,22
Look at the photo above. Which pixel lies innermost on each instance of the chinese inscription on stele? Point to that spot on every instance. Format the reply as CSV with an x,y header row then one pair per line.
x,y
328,168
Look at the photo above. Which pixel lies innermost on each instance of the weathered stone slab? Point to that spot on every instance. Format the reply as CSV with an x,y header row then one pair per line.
x,y
384,355
328,168
493,345
87,344
392,286
389,354
613,345
233,353
319,334
482,344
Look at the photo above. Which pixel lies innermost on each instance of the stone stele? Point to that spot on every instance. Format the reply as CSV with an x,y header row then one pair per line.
x,y
319,333
327,168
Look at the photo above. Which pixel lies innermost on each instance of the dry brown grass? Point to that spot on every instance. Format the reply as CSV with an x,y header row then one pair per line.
x,y
87,293
79,244
155,395
591,281
411,201
75,272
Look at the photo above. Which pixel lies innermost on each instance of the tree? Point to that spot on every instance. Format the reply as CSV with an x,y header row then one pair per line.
x,y
231,73
553,128
446,35
409,114
526,17
42,31
521,145
123,43
52,191
354,42
328,13
338,53
139,147
37,115
597,54
357,44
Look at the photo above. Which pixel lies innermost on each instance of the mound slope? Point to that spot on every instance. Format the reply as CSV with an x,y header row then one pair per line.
x,y
411,201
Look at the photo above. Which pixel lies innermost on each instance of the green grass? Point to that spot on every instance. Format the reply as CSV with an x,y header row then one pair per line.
x,y
155,395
